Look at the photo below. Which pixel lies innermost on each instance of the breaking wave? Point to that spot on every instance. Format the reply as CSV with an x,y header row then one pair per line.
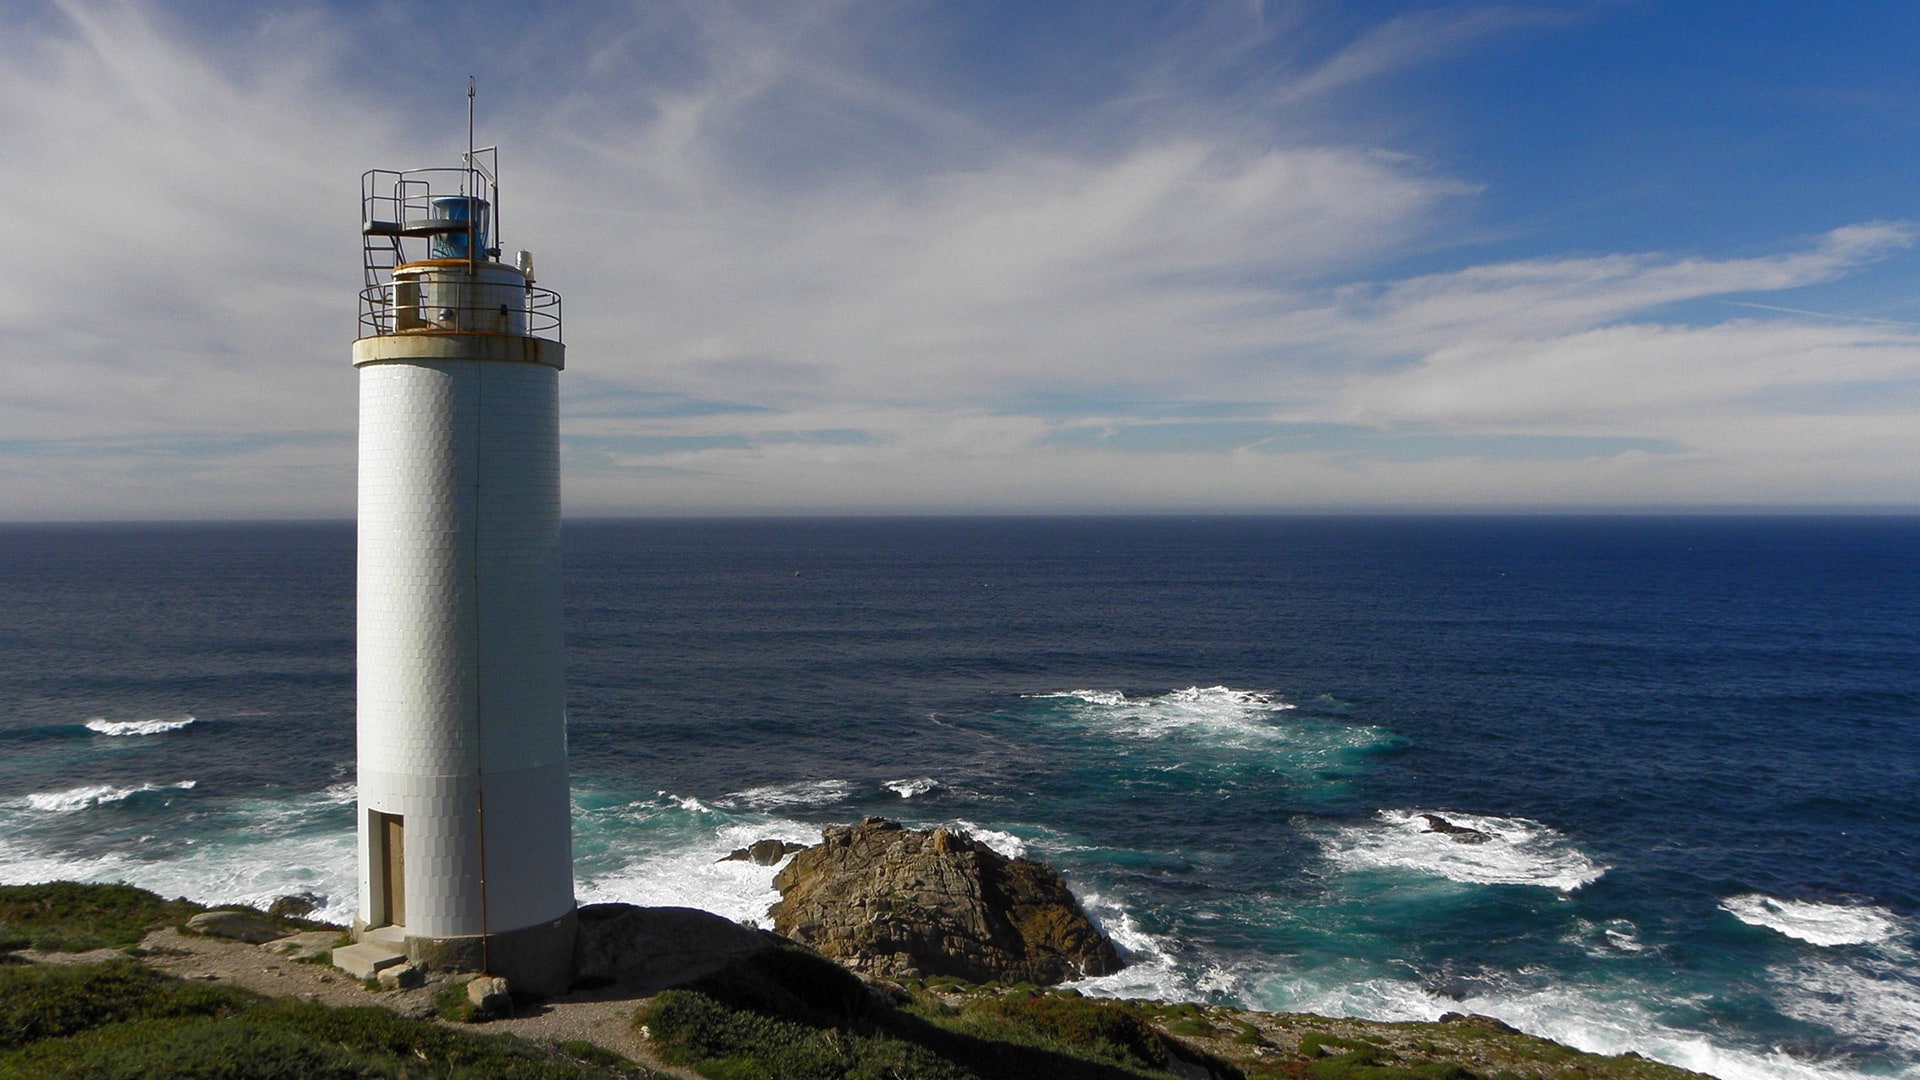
x,y
1816,923
1154,967
1868,999
1219,711
783,796
221,851
1223,719
1002,843
102,726
671,851
89,795
1473,849
1599,1021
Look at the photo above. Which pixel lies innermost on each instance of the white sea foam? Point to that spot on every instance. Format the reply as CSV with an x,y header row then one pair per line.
x,y
1587,1020
1109,698
1004,843
692,873
104,726
1351,994
276,848
1872,999
782,796
908,789
80,798
690,803
259,874
1598,1022
1217,714
341,793
1607,940
1817,923
1152,969
1515,851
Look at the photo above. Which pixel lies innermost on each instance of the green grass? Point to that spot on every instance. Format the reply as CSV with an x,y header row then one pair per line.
x,y
1344,1057
122,1020
690,1028
64,916
43,1002
450,1002
67,917
790,1013
1105,1031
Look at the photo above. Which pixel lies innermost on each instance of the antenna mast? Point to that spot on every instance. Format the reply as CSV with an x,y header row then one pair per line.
x,y
473,182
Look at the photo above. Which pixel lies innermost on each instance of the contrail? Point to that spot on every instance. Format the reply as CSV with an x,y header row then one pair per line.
x,y
1821,314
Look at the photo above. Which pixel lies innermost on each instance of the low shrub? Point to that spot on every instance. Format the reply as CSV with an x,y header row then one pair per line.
x,y
64,916
122,1020
726,1043
1106,1030
197,1047
1345,1058
43,1002
790,1013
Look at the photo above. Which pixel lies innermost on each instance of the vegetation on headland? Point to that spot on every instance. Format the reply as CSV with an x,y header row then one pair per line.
x,y
119,1019
787,1014
793,1015
63,916
68,917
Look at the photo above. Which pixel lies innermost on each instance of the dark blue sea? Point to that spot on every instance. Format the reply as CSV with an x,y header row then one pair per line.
x,y
1690,746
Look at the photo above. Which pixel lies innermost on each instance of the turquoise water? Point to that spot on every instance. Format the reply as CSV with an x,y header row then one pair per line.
x,y
1690,744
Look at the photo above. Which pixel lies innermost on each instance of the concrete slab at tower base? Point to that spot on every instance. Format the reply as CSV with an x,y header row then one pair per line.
x,y
536,960
365,959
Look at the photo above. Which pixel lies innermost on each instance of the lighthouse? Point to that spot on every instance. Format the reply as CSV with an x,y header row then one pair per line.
x,y
465,837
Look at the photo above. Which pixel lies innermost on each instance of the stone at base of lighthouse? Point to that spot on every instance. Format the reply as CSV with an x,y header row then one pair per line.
x,y
535,960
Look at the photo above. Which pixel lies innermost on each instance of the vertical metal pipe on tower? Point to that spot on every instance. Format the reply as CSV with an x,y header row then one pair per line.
x,y
465,822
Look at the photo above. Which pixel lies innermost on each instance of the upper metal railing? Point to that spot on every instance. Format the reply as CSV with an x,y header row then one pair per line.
x,y
391,308
415,215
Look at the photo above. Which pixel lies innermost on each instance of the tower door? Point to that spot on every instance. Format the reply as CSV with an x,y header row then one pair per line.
x,y
390,868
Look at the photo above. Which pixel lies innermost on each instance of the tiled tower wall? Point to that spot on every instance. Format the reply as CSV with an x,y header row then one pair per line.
x,y
461,665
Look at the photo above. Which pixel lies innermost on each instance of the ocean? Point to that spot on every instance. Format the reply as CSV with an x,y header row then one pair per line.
x,y
1692,744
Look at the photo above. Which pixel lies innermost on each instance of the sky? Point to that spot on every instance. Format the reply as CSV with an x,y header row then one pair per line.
x,y
983,257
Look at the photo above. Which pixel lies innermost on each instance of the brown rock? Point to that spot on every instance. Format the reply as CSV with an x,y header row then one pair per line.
x,y
248,926
489,996
297,906
400,977
1458,833
762,852
899,903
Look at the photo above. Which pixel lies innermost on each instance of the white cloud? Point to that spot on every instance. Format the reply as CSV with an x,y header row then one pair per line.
x,y
1031,271
1636,377
175,249
1405,41
796,278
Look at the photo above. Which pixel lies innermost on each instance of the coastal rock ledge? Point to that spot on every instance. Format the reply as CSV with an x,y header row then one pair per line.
x,y
900,903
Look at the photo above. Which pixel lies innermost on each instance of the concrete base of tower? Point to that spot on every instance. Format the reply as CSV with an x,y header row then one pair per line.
x,y
535,960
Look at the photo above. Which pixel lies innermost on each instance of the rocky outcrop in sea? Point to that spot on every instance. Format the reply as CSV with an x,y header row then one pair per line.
x,y
900,903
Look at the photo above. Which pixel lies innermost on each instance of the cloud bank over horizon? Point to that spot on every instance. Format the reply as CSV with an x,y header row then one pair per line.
x,y
828,258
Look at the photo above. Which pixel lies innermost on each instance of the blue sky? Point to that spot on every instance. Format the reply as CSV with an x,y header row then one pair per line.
x,y
994,257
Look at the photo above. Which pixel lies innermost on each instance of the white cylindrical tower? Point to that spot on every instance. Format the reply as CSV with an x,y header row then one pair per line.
x,y
465,823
